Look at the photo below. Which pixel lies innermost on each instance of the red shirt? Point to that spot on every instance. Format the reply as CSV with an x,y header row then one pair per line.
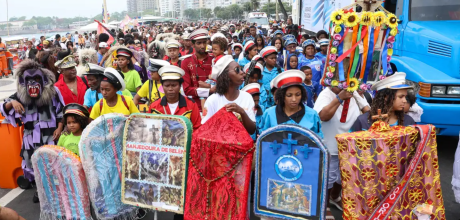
x,y
184,52
186,107
195,71
69,96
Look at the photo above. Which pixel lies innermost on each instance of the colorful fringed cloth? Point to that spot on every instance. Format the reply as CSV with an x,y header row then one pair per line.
x,y
219,170
61,184
388,171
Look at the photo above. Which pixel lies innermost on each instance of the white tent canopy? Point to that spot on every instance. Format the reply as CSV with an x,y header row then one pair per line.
x,y
93,27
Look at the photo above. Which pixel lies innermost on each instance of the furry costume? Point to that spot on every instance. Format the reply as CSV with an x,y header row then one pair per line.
x,y
157,49
85,56
141,57
42,112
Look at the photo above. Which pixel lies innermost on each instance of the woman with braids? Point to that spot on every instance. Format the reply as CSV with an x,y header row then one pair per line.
x,y
391,100
290,96
229,78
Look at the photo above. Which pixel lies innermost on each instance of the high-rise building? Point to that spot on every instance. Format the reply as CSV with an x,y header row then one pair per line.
x,y
135,6
143,5
132,6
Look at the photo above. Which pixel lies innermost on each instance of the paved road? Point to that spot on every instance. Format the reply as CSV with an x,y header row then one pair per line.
x,y
446,150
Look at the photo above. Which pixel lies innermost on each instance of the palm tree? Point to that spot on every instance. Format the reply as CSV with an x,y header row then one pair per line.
x,y
255,4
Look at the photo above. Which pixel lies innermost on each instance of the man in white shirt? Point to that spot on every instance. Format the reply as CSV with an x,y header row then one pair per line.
x,y
329,106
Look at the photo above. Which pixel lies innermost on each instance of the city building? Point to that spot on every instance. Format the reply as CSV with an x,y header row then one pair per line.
x,y
132,6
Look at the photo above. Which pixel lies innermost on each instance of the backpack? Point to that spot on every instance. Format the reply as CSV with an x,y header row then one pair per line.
x,y
101,103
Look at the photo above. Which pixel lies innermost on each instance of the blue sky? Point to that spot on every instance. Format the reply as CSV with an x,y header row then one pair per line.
x,y
59,8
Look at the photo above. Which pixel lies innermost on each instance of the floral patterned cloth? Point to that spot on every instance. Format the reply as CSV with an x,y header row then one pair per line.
x,y
373,162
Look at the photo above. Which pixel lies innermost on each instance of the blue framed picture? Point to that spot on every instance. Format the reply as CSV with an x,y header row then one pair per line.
x,y
291,174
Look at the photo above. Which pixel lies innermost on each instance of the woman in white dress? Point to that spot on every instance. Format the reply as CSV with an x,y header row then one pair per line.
x,y
230,77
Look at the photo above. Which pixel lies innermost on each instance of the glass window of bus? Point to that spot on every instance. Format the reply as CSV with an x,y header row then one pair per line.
x,y
434,10
259,20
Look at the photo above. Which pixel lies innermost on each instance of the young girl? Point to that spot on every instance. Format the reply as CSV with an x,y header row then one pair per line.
x,y
293,62
391,100
260,43
126,66
75,120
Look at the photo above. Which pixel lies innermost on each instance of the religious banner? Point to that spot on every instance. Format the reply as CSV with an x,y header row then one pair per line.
x,y
291,174
61,184
100,150
155,155
220,170
390,173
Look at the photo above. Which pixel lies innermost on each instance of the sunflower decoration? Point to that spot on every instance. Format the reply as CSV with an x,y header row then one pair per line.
x,y
366,18
353,85
378,18
351,19
392,21
337,17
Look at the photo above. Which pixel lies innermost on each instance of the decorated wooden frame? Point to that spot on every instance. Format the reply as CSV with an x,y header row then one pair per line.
x,y
155,161
291,174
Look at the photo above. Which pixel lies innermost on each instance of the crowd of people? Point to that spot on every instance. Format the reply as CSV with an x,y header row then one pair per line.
x,y
266,77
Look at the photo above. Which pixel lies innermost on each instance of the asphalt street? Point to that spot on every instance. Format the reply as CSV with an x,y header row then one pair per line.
x,y
446,150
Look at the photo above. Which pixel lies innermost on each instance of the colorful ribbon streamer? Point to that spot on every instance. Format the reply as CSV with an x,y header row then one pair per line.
x,y
385,54
369,55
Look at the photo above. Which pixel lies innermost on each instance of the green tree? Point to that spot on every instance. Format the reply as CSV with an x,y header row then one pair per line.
x,y
255,4
22,18
247,7
206,13
13,19
30,23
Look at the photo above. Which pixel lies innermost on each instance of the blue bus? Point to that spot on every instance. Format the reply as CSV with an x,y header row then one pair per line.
x,y
427,49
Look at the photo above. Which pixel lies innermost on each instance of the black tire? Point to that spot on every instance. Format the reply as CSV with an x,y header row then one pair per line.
x,y
23,182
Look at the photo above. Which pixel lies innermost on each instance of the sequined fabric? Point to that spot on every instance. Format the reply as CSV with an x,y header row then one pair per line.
x,y
372,162
219,170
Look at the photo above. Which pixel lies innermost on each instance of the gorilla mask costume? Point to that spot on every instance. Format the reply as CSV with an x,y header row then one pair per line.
x,y
35,84
42,114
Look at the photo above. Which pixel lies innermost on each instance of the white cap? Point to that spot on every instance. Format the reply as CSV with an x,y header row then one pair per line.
x,y
186,36
103,45
216,35
237,45
171,72
267,51
252,88
220,65
248,44
395,81
323,42
114,72
288,78
199,33
258,66
173,44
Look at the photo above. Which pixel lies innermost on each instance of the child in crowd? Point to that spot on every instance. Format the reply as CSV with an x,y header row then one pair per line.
x,y
75,120
254,77
237,48
255,90
312,87
293,61
412,108
219,46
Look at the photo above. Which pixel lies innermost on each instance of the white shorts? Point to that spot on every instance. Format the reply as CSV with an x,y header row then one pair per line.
x,y
334,172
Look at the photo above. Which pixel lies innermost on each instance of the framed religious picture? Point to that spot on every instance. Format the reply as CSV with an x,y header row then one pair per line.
x,y
155,158
291,174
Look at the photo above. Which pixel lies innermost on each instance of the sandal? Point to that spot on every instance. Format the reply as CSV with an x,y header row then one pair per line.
x,y
336,202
